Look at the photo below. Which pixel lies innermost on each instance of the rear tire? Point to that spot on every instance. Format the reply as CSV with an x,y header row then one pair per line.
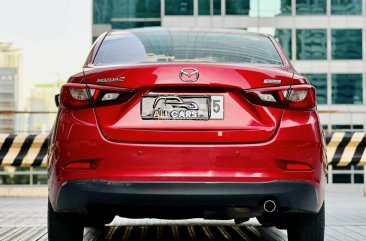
x,y
64,226
277,220
306,227
97,220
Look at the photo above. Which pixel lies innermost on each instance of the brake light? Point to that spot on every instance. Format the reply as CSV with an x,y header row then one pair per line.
x,y
75,95
81,93
300,97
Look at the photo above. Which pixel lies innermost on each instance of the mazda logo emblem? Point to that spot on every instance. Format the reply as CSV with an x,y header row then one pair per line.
x,y
189,75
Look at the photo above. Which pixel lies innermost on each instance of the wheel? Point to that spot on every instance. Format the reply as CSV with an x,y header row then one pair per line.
x,y
97,220
64,226
307,227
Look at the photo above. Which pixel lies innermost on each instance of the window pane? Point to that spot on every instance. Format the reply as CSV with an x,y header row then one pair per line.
x,y
159,45
319,81
237,7
358,178
341,168
346,44
311,7
204,7
102,11
341,178
273,8
349,127
14,175
40,179
126,25
357,127
284,37
311,44
341,127
347,89
217,7
346,7
178,7
15,179
135,9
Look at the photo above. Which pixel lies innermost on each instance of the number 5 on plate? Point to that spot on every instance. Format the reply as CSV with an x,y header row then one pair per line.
x,y
217,107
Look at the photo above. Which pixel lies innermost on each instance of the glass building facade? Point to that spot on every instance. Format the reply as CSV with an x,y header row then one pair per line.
x,y
123,14
209,7
347,44
311,44
311,7
346,7
325,39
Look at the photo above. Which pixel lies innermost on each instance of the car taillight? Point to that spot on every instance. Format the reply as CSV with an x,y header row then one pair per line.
x,y
300,97
75,95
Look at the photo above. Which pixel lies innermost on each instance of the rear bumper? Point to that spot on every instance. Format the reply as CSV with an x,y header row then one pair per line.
x,y
84,195
197,174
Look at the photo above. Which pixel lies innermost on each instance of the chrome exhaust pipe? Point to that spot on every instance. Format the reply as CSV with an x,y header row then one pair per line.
x,y
269,206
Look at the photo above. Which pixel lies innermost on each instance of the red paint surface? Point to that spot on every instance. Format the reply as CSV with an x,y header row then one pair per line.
x,y
250,144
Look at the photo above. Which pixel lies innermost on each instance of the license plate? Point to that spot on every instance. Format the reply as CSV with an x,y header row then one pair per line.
x,y
182,107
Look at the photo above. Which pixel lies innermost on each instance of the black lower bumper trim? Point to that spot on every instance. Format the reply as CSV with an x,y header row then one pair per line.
x,y
78,196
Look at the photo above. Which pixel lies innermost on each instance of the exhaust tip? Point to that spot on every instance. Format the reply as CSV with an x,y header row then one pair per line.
x,y
269,206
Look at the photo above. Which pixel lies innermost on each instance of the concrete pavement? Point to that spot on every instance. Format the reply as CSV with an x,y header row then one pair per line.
x,y
25,219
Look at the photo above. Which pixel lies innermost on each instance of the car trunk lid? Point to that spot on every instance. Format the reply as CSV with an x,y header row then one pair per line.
x,y
211,109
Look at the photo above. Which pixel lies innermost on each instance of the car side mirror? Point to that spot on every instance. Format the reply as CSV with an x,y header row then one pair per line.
x,y
57,100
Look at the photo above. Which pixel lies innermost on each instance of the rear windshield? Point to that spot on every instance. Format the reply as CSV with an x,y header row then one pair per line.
x,y
164,45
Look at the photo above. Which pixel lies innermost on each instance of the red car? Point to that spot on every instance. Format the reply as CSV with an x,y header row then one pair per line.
x,y
187,123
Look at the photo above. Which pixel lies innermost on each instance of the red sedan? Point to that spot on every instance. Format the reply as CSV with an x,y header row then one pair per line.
x,y
187,123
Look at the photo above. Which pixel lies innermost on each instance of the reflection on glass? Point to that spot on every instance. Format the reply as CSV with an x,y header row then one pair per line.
x,y
273,8
104,10
346,7
263,8
283,36
160,46
347,89
311,44
237,7
101,11
311,7
319,81
131,24
178,7
205,8
346,44
135,9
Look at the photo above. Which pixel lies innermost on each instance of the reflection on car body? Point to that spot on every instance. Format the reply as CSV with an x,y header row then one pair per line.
x,y
207,123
